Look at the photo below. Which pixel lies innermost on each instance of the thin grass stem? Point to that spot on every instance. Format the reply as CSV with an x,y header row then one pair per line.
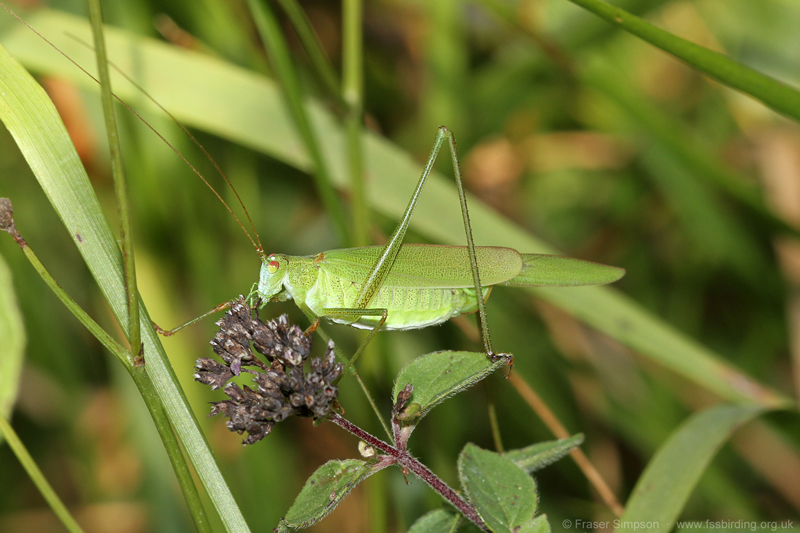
x,y
775,94
557,428
118,173
319,59
172,446
37,477
7,224
278,52
134,364
353,93
497,437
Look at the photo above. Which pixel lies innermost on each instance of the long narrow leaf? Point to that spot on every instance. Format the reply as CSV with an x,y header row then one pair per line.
x,y
118,172
292,91
37,477
12,342
662,491
34,123
775,94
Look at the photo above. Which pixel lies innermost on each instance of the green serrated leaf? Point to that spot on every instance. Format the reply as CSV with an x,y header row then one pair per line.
x,y
12,342
502,492
667,482
438,521
439,375
324,490
539,455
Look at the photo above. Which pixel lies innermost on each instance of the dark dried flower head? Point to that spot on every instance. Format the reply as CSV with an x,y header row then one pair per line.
x,y
402,397
282,386
6,215
211,373
7,221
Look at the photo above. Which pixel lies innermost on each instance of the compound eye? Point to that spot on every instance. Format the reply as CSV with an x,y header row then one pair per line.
x,y
273,267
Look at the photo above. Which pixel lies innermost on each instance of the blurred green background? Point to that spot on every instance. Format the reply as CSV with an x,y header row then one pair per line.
x,y
599,144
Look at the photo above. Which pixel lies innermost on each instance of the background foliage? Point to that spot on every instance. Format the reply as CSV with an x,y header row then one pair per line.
x,y
599,144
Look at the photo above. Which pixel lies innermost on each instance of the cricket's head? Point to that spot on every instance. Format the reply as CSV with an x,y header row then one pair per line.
x,y
273,271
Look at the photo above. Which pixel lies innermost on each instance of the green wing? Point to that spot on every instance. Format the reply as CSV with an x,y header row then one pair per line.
x,y
426,265
539,270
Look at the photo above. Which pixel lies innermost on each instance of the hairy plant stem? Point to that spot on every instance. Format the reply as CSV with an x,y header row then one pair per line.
x,y
406,460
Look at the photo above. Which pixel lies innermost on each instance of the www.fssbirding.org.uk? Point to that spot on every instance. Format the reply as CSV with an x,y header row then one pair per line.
x,y
625,525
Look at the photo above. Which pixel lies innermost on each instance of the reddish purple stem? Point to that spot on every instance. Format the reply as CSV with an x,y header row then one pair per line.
x,y
405,459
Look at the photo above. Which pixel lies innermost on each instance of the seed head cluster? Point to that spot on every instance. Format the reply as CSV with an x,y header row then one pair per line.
x,y
282,387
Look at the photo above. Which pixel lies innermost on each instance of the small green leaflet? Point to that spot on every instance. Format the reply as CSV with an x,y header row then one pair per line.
x,y
537,525
502,492
323,491
438,521
439,375
539,455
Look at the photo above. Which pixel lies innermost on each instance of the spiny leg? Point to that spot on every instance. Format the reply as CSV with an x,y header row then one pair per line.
x,y
252,299
386,260
482,321
173,331
383,265
348,365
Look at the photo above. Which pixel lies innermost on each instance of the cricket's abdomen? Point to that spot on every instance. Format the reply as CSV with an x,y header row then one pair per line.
x,y
408,308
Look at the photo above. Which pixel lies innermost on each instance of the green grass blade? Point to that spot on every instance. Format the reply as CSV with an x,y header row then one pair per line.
x,y
118,173
292,92
12,342
319,60
442,95
670,133
88,322
626,321
353,94
775,94
37,477
33,121
204,102
670,477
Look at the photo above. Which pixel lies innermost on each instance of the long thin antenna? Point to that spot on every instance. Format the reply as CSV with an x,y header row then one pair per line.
x,y
257,242
197,143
